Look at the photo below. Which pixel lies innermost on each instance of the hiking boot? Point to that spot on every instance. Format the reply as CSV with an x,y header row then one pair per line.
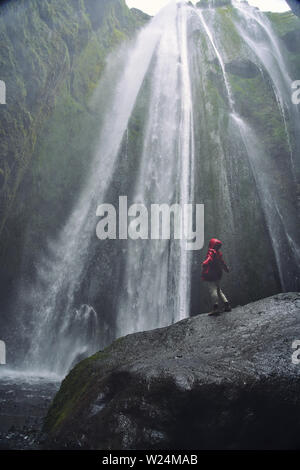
x,y
227,307
215,310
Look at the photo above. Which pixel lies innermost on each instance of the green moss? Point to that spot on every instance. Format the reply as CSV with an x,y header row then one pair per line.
x,y
257,103
287,27
71,392
231,40
52,56
74,387
284,22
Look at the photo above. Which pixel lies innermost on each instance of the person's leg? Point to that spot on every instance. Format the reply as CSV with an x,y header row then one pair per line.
x,y
213,290
221,295
224,299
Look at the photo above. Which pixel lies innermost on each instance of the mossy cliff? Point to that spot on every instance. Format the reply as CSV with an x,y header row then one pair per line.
x,y
52,55
255,101
224,179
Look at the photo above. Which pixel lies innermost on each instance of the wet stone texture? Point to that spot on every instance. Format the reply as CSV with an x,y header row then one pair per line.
x,y
221,382
23,405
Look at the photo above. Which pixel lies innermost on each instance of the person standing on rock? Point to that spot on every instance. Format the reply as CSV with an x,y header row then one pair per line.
x,y
212,271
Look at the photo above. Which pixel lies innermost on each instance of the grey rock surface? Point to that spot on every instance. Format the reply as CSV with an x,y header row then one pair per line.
x,y
207,382
294,6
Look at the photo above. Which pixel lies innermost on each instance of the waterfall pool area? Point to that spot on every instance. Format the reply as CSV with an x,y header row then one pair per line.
x,y
127,143
24,401
177,128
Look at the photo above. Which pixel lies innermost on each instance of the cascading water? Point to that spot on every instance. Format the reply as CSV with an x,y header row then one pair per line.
x,y
255,28
280,236
60,328
166,177
257,31
219,57
60,273
187,155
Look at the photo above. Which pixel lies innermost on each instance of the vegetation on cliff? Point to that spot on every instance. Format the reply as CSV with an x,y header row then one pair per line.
x,y
53,54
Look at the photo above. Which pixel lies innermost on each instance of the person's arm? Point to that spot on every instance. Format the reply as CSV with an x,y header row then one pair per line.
x,y
210,257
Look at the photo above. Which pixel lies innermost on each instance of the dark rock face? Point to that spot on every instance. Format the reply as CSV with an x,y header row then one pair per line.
x,y
291,40
243,68
140,15
295,6
222,382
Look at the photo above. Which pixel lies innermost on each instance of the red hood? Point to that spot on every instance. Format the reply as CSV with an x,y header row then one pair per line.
x,y
214,265
215,243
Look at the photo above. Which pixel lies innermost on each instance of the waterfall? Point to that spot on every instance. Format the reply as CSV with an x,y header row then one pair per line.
x,y
61,271
219,57
160,270
60,328
187,155
256,30
183,154
280,237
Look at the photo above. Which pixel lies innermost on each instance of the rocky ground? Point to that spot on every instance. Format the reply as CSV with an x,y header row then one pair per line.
x,y
24,402
221,382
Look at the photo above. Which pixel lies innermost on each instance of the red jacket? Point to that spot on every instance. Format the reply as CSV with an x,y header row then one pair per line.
x,y
213,266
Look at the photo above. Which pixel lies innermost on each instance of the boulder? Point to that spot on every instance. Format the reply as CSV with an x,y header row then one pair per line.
x,y
208,382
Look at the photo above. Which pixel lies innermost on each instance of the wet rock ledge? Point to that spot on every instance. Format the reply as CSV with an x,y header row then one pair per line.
x,y
222,382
